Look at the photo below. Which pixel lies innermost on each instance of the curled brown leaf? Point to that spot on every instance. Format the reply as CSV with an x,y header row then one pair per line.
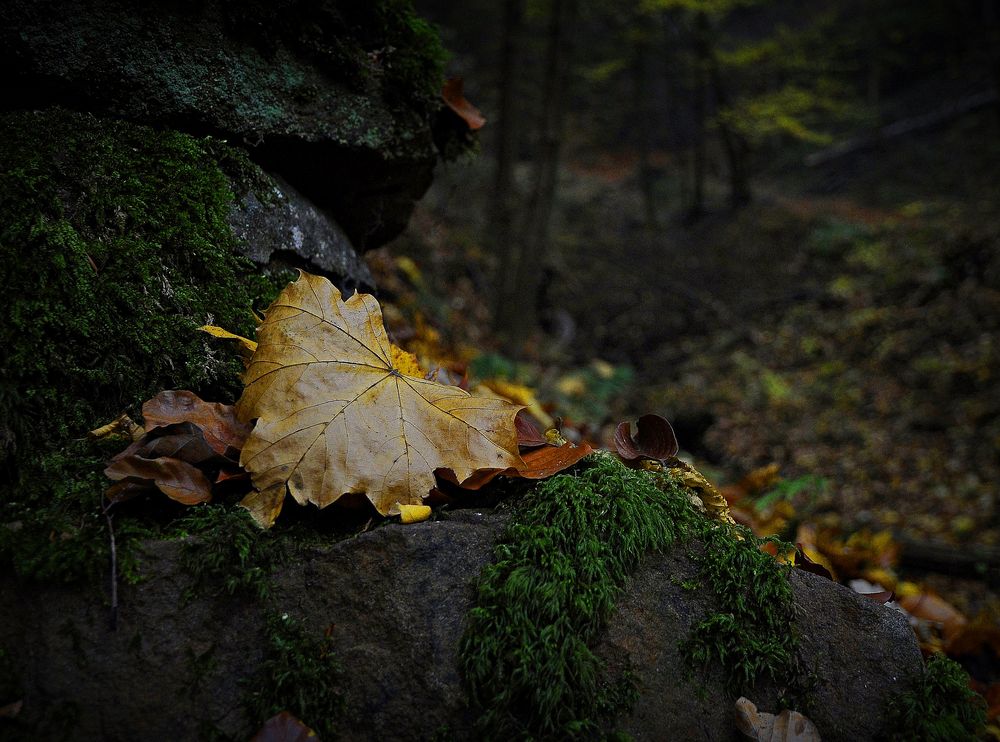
x,y
654,439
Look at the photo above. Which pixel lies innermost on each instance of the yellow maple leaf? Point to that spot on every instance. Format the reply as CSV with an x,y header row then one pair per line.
x,y
338,412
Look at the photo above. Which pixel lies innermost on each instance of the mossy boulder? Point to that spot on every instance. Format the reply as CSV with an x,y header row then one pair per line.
x,y
406,609
116,244
338,97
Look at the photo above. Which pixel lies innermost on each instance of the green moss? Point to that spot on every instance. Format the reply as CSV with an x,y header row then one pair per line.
x,y
558,571
115,247
228,549
940,708
751,635
299,674
415,65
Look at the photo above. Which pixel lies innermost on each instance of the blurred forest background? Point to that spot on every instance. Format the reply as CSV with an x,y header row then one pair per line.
x,y
772,222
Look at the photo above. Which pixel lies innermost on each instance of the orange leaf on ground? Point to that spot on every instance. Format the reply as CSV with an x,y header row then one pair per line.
x,y
539,463
973,639
455,98
544,462
222,429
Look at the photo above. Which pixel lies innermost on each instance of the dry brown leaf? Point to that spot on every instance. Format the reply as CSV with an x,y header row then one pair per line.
x,y
931,607
760,726
177,479
336,416
219,424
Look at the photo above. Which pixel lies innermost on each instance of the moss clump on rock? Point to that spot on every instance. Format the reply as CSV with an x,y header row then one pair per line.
x,y
559,569
939,708
115,247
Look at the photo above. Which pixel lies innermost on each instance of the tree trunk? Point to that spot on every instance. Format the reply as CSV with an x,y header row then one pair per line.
x,y
643,113
733,143
504,203
518,314
991,20
696,209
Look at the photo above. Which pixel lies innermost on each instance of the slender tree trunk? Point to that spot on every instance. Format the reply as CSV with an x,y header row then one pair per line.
x,y
643,114
874,92
519,316
504,202
696,208
671,36
733,144
991,20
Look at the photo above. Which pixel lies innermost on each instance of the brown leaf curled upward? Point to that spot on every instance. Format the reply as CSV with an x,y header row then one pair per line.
x,y
654,439
335,415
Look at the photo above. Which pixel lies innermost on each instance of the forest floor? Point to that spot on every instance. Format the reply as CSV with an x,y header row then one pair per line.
x,y
830,353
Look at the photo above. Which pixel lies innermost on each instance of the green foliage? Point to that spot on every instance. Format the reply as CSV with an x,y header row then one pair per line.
x,y
415,65
940,708
788,489
225,546
751,635
560,567
299,674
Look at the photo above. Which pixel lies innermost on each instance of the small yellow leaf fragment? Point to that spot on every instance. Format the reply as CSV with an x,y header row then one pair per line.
x,y
218,332
122,424
406,363
554,437
413,513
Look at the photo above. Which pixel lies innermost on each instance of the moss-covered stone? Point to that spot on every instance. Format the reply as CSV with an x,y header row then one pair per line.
x,y
114,248
561,565
340,98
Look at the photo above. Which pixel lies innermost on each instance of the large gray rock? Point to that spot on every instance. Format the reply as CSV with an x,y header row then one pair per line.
x,y
857,653
280,224
396,598
337,97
